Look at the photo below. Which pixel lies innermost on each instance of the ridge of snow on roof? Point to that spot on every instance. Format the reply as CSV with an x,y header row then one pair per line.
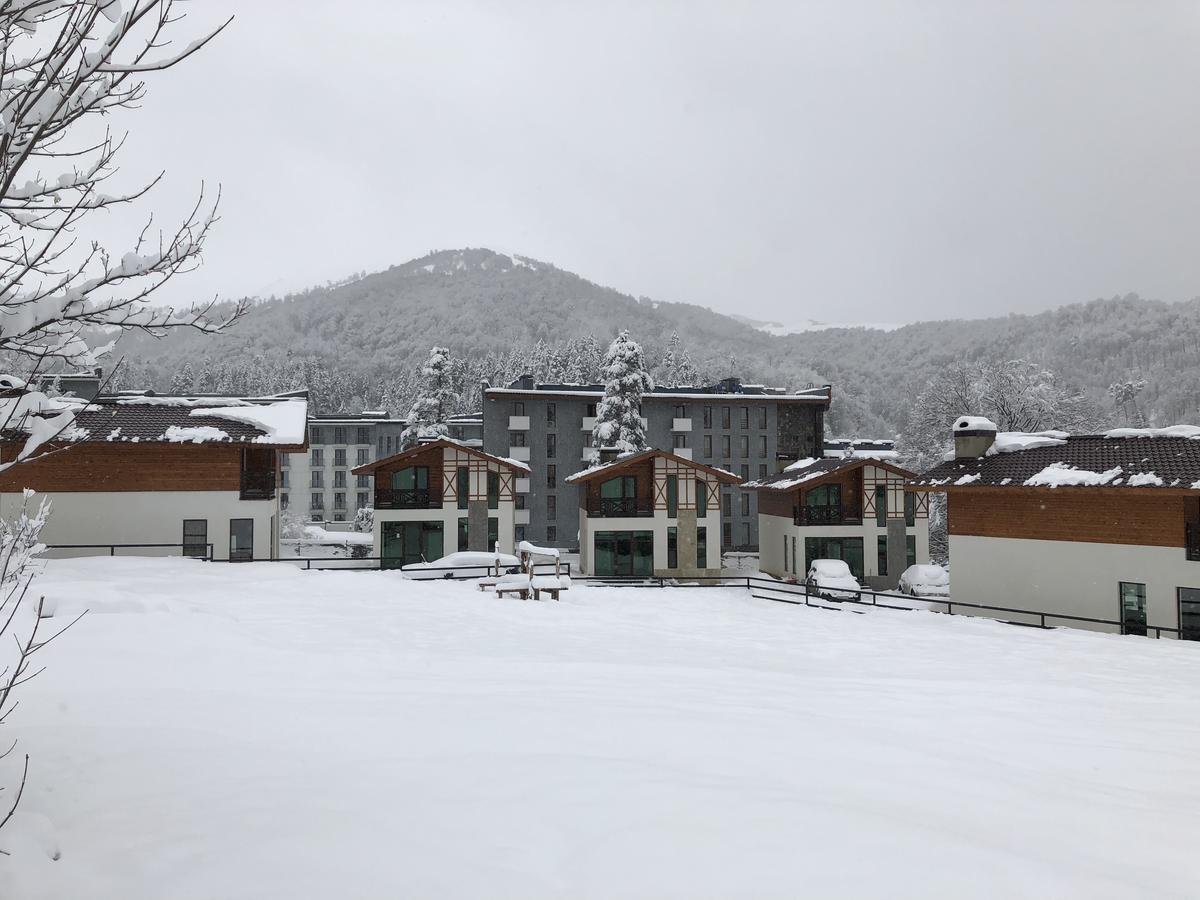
x,y
281,421
810,469
1131,458
584,474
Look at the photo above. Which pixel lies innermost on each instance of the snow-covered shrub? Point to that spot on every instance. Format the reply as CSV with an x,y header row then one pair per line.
x,y
364,520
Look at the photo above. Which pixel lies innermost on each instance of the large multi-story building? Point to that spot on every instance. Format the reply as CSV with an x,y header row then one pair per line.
x,y
749,430
321,480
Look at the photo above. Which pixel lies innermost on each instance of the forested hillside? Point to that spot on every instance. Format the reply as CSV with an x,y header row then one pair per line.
x,y
358,344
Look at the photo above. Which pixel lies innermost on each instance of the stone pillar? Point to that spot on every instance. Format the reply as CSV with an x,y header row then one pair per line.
x,y
477,525
897,551
686,540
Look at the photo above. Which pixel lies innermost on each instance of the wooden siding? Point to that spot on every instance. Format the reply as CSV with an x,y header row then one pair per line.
x,y
431,458
776,503
644,472
95,466
1069,514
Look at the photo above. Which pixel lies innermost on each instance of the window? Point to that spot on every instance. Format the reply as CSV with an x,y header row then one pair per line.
x,y
681,412
1189,614
679,440
241,539
881,507
850,550
317,501
794,564
339,456
316,457
702,548
590,411
362,501
389,444
285,459
339,478
363,456
762,471
362,481
701,498
551,507
551,415
745,505
672,547
881,554
745,472
1133,608
493,532
785,553
746,538
762,446
725,454
744,418
339,434
551,476
551,535
672,498
762,416
727,534
519,530
727,505
516,439
283,501
414,478
380,445
314,434
551,445
519,501
910,550
464,542
283,478
195,537
518,408
744,446
910,509
624,552
462,486
725,417
708,417
363,435
493,493
339,501
316,478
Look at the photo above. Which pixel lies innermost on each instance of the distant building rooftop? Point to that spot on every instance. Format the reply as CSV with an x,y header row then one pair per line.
x,y
726,387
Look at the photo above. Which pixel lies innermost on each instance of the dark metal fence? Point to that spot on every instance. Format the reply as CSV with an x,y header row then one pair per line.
x,y
195,550
619,507
406,498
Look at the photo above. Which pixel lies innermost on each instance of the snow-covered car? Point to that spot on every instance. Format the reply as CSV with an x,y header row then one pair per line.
x,y
832,578
464,564
925,581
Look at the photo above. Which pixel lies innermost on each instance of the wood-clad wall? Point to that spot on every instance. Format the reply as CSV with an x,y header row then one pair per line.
x,y
776,503
1070,514
124,466
432,458
644,471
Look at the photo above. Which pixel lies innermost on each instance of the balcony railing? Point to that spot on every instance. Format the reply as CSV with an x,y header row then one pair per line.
x,y
619,507
258,485
407,498
1191,542
825,515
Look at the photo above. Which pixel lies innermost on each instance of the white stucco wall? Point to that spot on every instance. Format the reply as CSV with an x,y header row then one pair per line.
x,y
1069,577
148,517
772,529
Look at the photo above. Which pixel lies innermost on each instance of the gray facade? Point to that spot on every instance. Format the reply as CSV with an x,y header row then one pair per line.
x,y
749,430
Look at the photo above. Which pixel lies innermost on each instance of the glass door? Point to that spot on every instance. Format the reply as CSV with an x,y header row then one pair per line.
x,y
1133,608
1189,614
241,539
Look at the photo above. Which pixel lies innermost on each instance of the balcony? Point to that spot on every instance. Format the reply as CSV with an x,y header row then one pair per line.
x,y
619,508
589,422
1191,542
408,498
681,424
520,454
521,516
522,485
824,515
258,485
518,423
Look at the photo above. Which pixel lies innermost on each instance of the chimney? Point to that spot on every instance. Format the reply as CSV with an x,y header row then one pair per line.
x,y
973,437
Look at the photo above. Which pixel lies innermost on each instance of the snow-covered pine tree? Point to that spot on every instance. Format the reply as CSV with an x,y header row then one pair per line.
x,y
427,417
618,414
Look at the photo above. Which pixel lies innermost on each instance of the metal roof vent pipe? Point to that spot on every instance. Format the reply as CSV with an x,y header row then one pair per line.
x,y
973,437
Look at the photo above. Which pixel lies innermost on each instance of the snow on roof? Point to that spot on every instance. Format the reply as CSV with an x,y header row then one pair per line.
x,y
141,399
1191,432
810,469
1060,474
1015,441
584,474
195,434
282,421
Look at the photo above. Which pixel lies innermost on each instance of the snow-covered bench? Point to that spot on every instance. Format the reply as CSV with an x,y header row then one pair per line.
x,y
551,584
513,584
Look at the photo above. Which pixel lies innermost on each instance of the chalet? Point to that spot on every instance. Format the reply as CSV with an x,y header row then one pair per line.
x,y
852,508
1103,526
196,474
650,513
443,496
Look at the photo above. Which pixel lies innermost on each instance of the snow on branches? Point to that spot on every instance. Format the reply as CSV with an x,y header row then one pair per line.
x,y
619,412
437,401
61,62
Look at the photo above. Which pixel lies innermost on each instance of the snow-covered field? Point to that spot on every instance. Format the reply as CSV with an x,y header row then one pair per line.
x,y
255,731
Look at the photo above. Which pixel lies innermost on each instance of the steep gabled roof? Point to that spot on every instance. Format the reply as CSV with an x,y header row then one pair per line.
x,y
811,472
1129,459
606,469
519,467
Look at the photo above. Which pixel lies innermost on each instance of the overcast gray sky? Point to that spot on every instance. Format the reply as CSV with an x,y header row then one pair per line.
x,y
866,161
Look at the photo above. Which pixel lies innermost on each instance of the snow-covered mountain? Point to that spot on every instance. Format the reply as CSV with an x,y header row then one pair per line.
x,y
779,329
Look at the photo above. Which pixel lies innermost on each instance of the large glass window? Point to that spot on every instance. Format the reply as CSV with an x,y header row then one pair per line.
x,y
1189,614
881,554
463,535
1133,608
409,542
414,478
493,483
881,506
672,547
672,497
463,486
701,547
701,498
493,532
910,550
195,537
316,478
624,553
623,486
910,509
850,550
241,539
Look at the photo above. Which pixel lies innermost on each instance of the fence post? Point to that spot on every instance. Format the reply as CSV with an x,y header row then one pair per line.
x,y
112,550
